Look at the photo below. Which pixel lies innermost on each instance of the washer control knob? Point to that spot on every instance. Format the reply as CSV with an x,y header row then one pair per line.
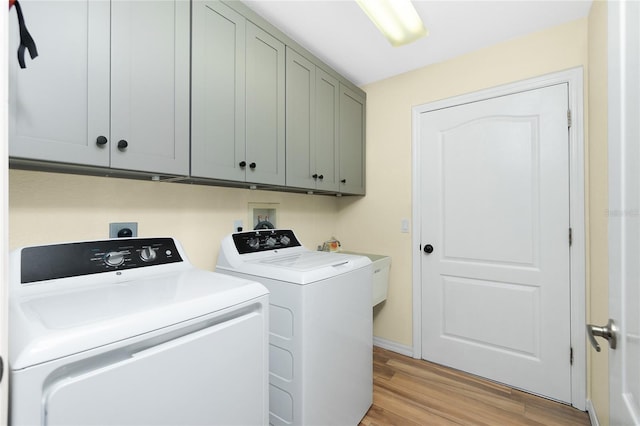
x,y
254,243
284,240
147,254
271,242
114,258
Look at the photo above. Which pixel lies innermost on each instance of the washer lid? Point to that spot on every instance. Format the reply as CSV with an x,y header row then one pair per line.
x,y
299,266
51,325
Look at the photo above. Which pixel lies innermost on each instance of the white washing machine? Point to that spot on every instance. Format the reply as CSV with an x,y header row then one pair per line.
x,y
320,353
128,332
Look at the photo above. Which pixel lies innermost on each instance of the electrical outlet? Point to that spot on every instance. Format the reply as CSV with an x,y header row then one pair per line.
x,y
116,227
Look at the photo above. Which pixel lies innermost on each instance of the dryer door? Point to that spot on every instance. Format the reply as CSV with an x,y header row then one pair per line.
x,y
214,376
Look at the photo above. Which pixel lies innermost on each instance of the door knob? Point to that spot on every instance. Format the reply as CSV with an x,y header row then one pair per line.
x,y
428,249
607,332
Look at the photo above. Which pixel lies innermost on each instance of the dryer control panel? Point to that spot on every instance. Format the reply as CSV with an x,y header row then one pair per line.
x,y
264,240
91,257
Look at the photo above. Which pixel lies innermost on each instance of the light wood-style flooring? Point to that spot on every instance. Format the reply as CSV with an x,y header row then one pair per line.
x,y
410,392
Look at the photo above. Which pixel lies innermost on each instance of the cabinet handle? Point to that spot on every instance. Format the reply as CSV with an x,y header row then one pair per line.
x,y
122,144
252,166
242,164
315,176
101,140
320,177
343,181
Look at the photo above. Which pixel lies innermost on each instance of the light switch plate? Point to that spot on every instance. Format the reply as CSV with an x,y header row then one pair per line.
x,y
404,226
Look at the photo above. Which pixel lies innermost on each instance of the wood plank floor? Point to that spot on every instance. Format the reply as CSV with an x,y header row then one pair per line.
x,y
410,392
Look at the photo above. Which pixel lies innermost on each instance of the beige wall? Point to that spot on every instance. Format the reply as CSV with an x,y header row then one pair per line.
x,y
389,104
50,207
598,295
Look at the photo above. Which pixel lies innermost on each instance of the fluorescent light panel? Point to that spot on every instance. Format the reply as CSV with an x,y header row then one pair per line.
x,y
396,19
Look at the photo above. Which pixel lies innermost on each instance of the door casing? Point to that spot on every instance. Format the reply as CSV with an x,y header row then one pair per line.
x,y
574,78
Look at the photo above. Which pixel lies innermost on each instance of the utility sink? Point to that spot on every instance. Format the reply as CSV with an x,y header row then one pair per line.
x,y
381,266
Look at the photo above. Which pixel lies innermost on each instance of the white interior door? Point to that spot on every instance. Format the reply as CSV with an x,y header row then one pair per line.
x,y
624,210
4,206
495,209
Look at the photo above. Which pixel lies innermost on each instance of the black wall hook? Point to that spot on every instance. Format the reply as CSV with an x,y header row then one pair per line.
x,y
26,41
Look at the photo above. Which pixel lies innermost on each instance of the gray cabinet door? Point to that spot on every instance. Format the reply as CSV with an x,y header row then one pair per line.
x,y
59,104
312,125
265,109
301,111
150,86
218,92
352,140
326,130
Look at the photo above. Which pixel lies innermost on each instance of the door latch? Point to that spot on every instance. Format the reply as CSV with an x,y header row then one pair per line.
x,y
607,332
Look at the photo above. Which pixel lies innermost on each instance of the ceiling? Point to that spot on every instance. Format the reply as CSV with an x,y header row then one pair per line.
x,y
340,34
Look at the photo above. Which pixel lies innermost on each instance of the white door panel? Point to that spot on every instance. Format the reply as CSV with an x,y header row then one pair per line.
x,y
495,206
4,221
624,208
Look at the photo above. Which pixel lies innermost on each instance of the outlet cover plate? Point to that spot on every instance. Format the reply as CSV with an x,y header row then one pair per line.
x,y
115,227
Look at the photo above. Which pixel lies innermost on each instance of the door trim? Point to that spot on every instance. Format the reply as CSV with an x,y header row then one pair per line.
x,y
574,78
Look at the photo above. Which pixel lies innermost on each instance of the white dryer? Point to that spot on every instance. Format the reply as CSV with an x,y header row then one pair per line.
x,y
127,331
320,354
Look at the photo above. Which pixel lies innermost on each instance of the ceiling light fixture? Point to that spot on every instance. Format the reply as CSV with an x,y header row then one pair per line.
x,y
396,19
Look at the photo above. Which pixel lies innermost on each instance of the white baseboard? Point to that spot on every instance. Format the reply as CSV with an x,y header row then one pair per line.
x,y
393,346
592,413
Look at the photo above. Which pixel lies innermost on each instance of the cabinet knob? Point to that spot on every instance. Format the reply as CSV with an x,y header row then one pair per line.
x,y
252,165
122,144
321,177
315,176
343,181
242,164
101,140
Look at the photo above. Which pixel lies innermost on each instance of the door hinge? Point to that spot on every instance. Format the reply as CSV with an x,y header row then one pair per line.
x,y
570,237
569,118
571,356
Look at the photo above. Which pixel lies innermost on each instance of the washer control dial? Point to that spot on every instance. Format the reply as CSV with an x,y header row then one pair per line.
x,y
147,254
254,243
271,242
284,240
114,258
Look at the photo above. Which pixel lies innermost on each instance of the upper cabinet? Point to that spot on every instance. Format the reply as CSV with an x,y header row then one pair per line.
x,y
109,88
59,104
150,86
312,125
200,91
352,141
238,98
